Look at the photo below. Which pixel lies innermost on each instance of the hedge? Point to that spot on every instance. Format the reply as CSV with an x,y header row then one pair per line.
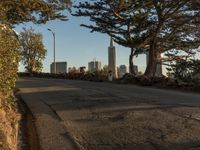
x,y
9,58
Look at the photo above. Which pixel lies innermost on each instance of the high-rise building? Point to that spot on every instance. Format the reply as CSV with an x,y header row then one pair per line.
x,y
61,67
122,70
94,66
112,59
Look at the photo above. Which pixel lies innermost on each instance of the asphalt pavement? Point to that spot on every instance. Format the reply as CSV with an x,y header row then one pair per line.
x,y
90,115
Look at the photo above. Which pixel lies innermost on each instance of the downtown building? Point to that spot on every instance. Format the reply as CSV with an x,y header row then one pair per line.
x,y
61,67
112,68
122,70
94,66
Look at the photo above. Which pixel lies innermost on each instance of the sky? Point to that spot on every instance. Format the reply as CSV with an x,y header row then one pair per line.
x,y
77,45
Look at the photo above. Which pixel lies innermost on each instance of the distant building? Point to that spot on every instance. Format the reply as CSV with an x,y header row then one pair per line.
x,y
135,68
61,67
94,66
112,59
122,70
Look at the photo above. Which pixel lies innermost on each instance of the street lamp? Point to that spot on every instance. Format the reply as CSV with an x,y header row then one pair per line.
x,y
54,48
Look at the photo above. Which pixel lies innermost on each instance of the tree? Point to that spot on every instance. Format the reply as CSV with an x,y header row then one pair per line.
x,y
182,65
13,12
32,51
172,27
185,70
155,25
9,56
122,20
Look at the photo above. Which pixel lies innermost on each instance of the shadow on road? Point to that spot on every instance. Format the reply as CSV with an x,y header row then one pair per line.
x,y
99,117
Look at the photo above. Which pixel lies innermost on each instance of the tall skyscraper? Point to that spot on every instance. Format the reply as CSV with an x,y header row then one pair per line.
x,y
94,66
112,59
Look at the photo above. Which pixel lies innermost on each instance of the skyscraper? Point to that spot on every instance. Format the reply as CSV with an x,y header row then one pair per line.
x,y
112,59
94,66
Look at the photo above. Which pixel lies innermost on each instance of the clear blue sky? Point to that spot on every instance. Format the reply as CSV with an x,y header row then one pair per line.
x,y
77,45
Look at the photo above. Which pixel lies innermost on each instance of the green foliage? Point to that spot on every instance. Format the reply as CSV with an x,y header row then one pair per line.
x,y
9,58
185,70
14,12
151,25
32,50
118,19
38,11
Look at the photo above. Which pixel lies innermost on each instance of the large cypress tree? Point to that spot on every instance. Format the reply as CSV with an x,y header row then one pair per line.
x,y
157,25
173,26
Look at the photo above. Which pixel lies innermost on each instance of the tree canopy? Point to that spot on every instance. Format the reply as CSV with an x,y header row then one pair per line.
x,y
32,50
119,20
152,25
9,57
13,12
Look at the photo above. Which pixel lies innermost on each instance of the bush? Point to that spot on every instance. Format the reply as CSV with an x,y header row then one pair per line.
x,y
9,58
95,76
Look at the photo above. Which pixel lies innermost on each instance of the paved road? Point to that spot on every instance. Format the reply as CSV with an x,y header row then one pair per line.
x,y
88,115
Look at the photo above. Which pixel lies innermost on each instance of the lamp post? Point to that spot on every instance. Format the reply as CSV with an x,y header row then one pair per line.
x,y
54,48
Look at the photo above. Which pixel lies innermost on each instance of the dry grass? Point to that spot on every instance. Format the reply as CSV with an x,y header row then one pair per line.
x,y
8,124
3,143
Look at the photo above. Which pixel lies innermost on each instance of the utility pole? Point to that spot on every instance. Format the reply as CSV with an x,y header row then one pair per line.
x,y
54,49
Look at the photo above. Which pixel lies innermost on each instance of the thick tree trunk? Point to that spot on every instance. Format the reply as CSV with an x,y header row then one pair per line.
x,y
131,64
159,64
152,60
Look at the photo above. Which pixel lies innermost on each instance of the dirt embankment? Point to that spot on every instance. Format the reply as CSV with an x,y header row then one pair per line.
x,y
17,130
9,124
3,143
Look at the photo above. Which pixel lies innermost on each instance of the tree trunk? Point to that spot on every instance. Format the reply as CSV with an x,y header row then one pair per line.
x,y
131,64
158,64
152,60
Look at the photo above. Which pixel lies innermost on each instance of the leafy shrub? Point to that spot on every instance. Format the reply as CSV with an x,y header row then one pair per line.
x,y
9,58
186,70
95,76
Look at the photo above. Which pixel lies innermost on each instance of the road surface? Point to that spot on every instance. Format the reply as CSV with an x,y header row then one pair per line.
x,y
83,115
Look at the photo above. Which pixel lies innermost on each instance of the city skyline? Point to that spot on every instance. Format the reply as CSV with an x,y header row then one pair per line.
x,y
77,45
